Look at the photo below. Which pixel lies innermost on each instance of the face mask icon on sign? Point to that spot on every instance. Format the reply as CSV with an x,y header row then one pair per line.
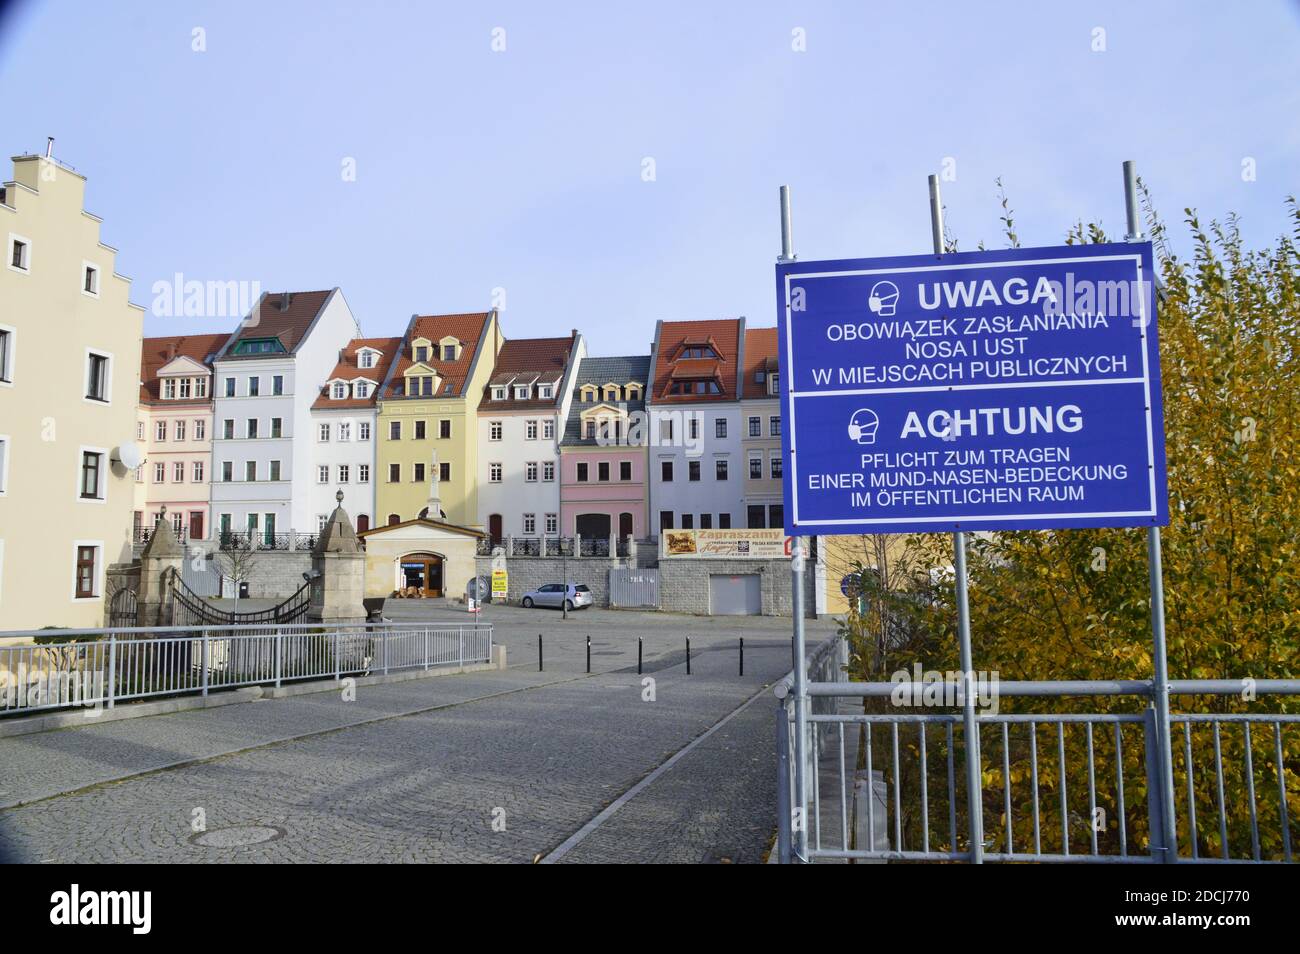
x,y
863,425
883,299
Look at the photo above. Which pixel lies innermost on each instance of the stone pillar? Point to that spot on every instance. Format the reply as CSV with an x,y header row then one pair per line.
x,y
339,565
613,549
631,551
161,557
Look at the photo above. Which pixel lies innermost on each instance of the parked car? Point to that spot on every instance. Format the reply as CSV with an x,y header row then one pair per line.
x,y
554,594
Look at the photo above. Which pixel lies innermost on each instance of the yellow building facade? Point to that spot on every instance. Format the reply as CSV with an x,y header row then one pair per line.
x,y
69,392
427,440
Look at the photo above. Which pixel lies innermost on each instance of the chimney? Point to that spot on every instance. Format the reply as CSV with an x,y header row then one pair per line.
x,y
284,301
172,350
49,147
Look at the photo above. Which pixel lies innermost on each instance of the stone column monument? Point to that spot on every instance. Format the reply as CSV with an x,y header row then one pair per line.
x,y
161,557
339,565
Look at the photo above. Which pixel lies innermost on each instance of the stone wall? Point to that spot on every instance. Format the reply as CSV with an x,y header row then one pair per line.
x,y
684,584
528,573
275,574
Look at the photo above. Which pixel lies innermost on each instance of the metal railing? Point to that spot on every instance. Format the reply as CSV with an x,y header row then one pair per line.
x,y
142,535
260,540
101,667
1055,787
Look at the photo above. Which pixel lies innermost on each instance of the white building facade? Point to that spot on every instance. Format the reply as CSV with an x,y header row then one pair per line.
x,y
695,436
520,425
344,432
267,377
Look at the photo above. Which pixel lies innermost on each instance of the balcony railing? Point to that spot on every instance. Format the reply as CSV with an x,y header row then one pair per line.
x,y
260,540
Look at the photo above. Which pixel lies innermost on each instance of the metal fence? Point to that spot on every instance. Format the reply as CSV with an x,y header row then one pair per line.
x,y
1054,787
633,586
101,667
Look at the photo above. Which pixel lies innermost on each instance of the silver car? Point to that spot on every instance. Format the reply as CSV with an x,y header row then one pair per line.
x,y
553,594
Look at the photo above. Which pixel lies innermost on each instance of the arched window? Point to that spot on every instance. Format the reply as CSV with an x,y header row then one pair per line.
x,y
393,519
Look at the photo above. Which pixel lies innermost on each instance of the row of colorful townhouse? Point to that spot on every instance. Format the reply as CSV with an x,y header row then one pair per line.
x,y
250,434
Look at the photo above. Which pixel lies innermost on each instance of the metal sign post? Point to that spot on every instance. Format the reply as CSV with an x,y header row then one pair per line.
x,y
1155,575
974,801
800,808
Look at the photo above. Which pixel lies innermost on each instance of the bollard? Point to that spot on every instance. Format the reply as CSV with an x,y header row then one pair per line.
x,y
589,655
742,655
539,652
638,655
688,655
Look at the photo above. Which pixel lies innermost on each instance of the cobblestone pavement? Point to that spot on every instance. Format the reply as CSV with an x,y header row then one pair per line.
x,y
535,754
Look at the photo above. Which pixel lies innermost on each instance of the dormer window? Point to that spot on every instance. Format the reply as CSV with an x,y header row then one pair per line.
x,y
361,389
339,391
169,389
200,387
448,352
708,386
774,383
367,357
259,346
521,392
544,391
698,351
185,389
421,354
588,393
760,376
448,349
498,394
633,391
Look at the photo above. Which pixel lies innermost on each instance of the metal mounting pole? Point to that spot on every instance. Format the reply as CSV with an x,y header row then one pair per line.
x,y
970,725
1155,573
800,807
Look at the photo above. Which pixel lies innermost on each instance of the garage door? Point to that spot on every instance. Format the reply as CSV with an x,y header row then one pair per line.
x,y
735,595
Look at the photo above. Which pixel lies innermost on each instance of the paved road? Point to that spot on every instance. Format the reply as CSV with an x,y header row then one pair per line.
x,y
499,766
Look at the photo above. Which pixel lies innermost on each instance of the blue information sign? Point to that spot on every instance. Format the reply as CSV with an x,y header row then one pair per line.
x,y
1015,389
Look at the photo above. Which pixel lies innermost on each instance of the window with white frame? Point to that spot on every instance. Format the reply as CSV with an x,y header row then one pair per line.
x,y
160,430
345,431
323,433
20,253
185,388
361,389
365,359
530,472
198,471
530,523
6,355
85,584
776,468
139,430
178,472
521,392
755,427
363,431
200,387
321,520
227,471
179,430
98,366
344,473
159,473
323,474
530,430
254,386
277,427
250,428
363,473
548,470
275,470
93,472
200,430
90,280
250,471
169,389
548,429
494,473
139,474
498,394
552,523
755,466
774,425
339,391
494,430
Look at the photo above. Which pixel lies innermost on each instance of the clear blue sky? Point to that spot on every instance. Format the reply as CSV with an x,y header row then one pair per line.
x,y
522,169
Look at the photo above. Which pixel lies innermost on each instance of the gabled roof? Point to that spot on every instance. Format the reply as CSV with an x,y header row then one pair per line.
x,y
421,522
156,353
529,361
723,335
467,328
760,353
347,369
285,316
600,371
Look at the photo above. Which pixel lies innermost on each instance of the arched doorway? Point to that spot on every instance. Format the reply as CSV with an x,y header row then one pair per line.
x,y
421,572
624,526
394,519
590,525
494,527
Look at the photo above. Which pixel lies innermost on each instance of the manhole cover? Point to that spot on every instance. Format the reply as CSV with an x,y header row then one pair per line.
x,y
236,836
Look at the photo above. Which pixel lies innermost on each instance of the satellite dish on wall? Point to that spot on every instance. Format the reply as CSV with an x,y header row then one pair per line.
x,y
128,455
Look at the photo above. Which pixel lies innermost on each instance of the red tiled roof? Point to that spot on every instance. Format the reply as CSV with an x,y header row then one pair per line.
x,y
723,334
348,370
760,352
283,315
466,328
532,361
155,353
